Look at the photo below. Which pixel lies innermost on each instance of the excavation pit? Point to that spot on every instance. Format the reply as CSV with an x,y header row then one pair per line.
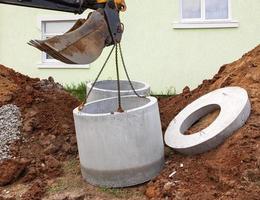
x,y
120,149
108,88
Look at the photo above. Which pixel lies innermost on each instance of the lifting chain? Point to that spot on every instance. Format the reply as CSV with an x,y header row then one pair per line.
x,y
127,74
118,82
116,47
92,86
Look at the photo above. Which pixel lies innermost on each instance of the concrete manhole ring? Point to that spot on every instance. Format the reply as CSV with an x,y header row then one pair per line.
x,y
234,107
120,149
108,88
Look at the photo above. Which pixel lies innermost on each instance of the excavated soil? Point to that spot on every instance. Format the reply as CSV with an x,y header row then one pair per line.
x,y
48,135
230,171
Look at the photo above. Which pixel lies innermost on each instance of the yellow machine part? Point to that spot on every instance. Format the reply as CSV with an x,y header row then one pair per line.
x,y
116,1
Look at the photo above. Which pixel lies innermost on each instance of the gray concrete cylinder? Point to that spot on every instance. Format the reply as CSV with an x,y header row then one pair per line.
x,y
108,88
120,149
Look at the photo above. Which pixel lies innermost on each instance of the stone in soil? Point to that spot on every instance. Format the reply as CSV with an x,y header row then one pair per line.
x,y
10,122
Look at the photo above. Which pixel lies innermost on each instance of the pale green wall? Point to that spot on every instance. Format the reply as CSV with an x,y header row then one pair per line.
x,y
154,51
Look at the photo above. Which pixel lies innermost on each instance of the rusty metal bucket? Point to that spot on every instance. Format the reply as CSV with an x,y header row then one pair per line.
x,y
82,44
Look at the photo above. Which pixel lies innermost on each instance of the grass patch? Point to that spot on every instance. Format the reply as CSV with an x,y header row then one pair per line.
x,y
122,193
60,185
77,90
118,193
71,167
64,184
70,181
170,91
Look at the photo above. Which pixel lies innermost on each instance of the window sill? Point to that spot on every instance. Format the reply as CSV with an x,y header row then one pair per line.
x,y
205,24
61,66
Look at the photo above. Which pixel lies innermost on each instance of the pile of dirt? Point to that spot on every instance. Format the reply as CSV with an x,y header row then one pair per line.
x,y
47,133
47,139
10,170
231,171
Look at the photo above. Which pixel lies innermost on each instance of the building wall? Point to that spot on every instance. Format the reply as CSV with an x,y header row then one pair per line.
x,y
154,52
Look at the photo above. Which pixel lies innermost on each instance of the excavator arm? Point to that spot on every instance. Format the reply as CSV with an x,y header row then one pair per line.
x,y
73,6
83,43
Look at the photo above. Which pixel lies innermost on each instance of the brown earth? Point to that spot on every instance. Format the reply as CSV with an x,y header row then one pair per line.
x,y
48,135
36,191
46,163
232,171
48,144
10,170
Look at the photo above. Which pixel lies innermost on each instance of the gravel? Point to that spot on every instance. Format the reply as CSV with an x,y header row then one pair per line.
x,y
10,122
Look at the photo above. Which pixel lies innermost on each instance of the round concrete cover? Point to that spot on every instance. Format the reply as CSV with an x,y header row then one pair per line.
x,y
234,107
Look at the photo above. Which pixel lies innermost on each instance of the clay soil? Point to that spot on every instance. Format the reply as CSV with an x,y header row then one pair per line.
x,y
46,164
231,171
48,135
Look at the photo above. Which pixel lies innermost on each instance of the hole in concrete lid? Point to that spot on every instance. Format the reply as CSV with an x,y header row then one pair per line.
x,y
124,85
111,105
200,119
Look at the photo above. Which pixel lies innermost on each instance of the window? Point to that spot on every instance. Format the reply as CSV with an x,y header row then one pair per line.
x,y
216,9
205,9
191,9
205,14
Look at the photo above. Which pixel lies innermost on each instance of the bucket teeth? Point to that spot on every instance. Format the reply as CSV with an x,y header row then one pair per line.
x,y
45,48
82,44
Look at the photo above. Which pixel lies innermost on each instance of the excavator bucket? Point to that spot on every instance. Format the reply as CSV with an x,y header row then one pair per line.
x,y
82,44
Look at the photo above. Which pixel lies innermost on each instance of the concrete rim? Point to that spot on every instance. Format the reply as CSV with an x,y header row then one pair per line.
x,y
145,87
234,110
152,100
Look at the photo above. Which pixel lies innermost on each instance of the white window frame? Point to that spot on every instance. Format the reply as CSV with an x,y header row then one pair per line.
x,y
53,63
202,22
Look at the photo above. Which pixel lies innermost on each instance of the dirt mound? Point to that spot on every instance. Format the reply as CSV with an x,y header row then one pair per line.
x,y
48,138
35,192
10,170
232,171
48,135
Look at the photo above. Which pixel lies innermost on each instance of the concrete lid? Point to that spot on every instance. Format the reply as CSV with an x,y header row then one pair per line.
x,y
234,110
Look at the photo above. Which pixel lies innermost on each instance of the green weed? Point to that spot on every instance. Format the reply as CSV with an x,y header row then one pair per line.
x,y
170,91
71,167
77,90
119,193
